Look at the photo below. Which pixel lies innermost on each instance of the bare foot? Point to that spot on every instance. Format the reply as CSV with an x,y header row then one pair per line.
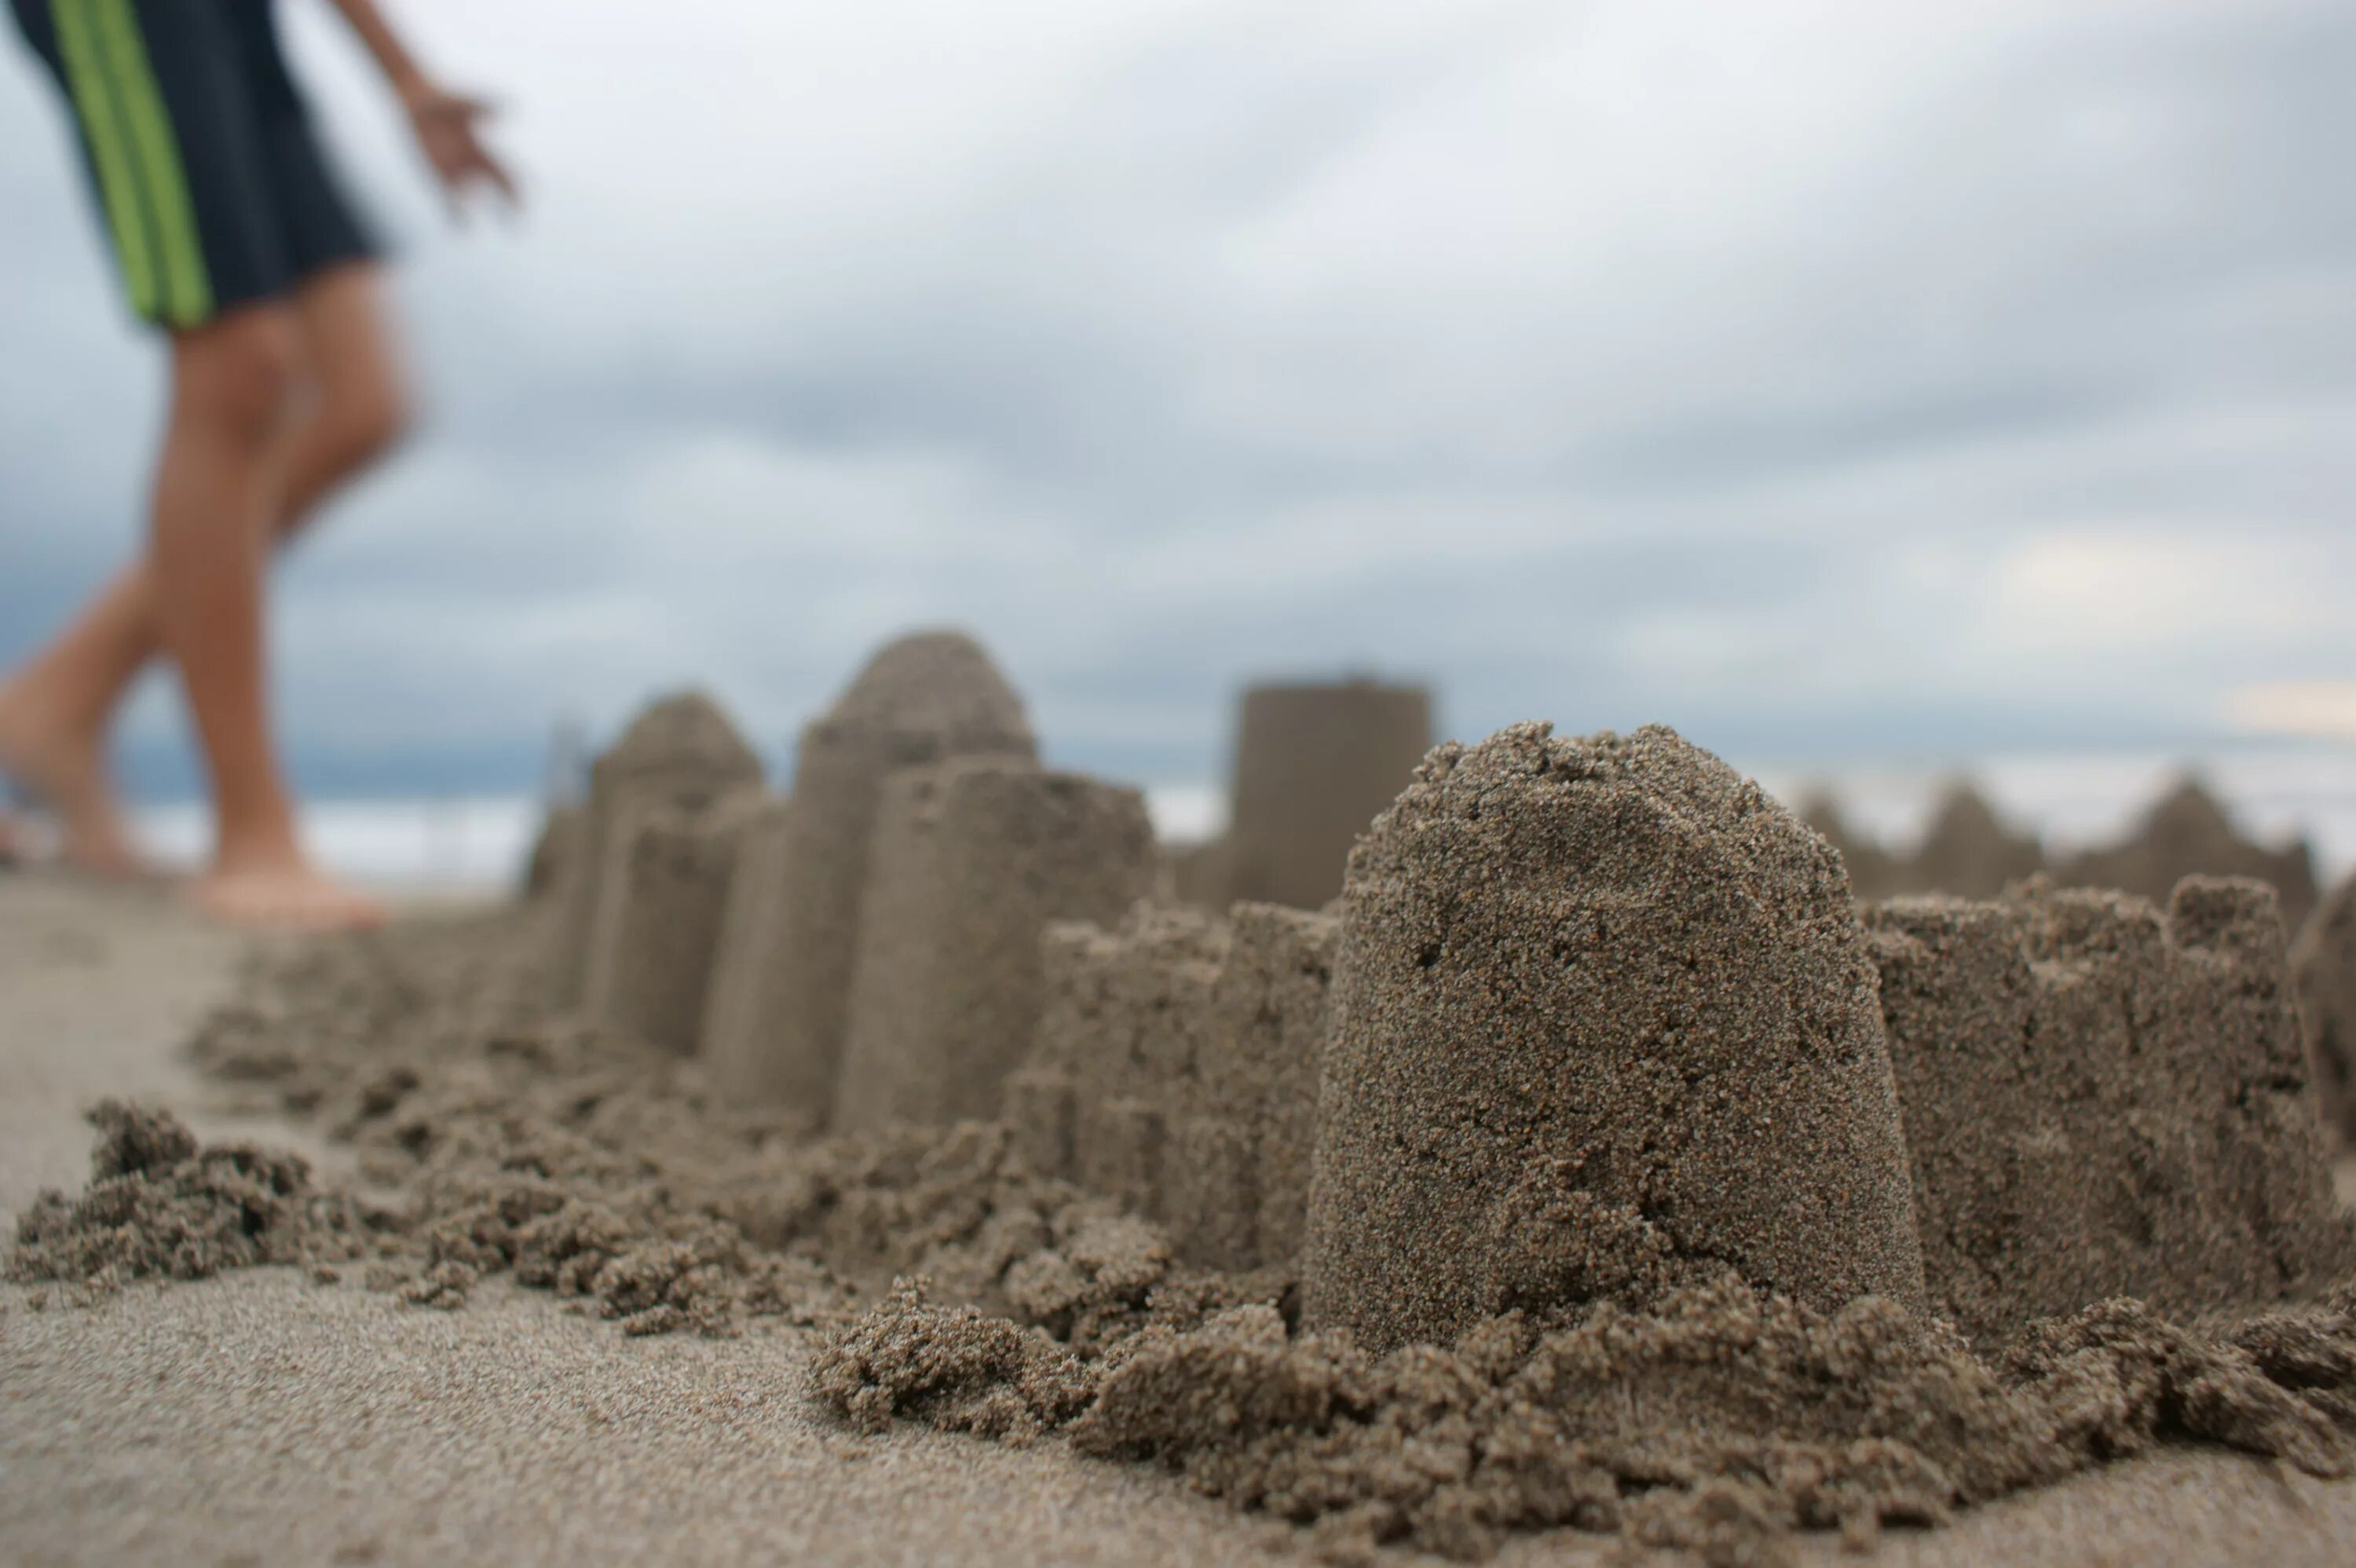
x,y
286,894
68,773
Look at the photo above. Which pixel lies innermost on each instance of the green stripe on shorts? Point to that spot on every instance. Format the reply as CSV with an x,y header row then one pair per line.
x,y
109,152
187,288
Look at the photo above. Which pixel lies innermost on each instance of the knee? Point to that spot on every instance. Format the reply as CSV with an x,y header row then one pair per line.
x,y
241,374
359,424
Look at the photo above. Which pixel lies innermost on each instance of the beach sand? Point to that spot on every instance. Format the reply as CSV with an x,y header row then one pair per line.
x,y
259,1418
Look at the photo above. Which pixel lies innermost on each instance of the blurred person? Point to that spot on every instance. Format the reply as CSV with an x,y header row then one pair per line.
x,y
233,237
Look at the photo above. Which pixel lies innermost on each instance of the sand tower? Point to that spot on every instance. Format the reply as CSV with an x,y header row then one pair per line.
x,y
2186,833
970,859
681,752
555,851
1312,766
926,698
666,892
1602,1022
1969,850
2323,966
2104,1098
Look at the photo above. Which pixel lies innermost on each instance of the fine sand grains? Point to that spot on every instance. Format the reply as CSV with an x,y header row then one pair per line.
x,y
2323,966
971,860
2104,1098
924,699
1603,1022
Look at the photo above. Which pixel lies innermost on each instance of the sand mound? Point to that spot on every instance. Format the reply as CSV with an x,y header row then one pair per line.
x,y
158,1205
1603,1024
2187,833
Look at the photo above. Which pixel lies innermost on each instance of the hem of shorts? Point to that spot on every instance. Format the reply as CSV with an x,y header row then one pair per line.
x,y
224,303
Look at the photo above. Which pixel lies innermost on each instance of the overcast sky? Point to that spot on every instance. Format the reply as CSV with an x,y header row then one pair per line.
x,y
1833,378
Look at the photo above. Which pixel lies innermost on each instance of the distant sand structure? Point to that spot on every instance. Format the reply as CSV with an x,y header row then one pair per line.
x,y
681,752
555,850
667,893
2323,966
2102,1097
2187,833
924,699
1566,1062
971,860
1873,872
1313,763
1969,850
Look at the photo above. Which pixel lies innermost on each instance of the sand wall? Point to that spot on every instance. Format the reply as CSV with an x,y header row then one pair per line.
x,y
681,752
2103,1097
923,699
970,859
1602,1021
1313,764
1176,1068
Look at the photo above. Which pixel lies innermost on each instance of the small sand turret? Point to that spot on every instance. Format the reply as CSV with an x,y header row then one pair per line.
x,y
681,752
777,1032
1313,764
1969,850
1602,1021
666,890
971,860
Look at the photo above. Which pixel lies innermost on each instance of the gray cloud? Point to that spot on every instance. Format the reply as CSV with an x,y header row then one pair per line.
x,y
1829,379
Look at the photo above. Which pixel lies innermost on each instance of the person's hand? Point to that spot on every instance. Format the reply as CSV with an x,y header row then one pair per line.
x,y
449,133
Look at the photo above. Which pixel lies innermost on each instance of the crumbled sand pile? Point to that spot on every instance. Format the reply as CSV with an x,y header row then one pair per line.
x,y
2186,833
159,1205
2103,1098
778,1038
2323,967
1603,1024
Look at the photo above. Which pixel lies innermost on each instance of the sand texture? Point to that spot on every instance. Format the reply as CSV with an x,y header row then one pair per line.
x,y
1603,1023
971,861
924,699
2323,967
2104,1098
1313,764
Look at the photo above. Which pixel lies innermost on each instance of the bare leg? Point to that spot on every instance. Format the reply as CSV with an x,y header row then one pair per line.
x,y
55,712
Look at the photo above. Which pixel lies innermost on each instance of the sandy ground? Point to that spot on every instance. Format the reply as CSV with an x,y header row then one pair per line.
x,y
260,1419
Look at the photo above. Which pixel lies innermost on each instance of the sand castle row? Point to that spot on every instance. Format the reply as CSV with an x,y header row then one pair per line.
x,y
1970,852
1592,1017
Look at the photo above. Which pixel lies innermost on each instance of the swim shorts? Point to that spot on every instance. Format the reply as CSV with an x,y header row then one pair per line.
x,y
214,186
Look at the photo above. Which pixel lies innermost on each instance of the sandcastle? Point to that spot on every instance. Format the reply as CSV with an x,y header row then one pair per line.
x,y
1873,872
681,753
1602,1021
666,891
1968,851
2323,967
970,859
556,851
1313,763
2104,1098
2187,833
1176,1069
776,1037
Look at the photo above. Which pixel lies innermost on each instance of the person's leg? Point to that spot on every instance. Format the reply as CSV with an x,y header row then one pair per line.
x,y
56,711
217,488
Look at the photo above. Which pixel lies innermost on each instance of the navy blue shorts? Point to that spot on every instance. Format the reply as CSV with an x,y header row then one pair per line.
x,y
210,174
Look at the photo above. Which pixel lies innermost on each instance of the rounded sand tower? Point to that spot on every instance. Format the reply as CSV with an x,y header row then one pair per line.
x,y
1603,1023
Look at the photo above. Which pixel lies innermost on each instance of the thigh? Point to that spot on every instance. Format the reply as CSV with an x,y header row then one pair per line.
x,y
351,349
